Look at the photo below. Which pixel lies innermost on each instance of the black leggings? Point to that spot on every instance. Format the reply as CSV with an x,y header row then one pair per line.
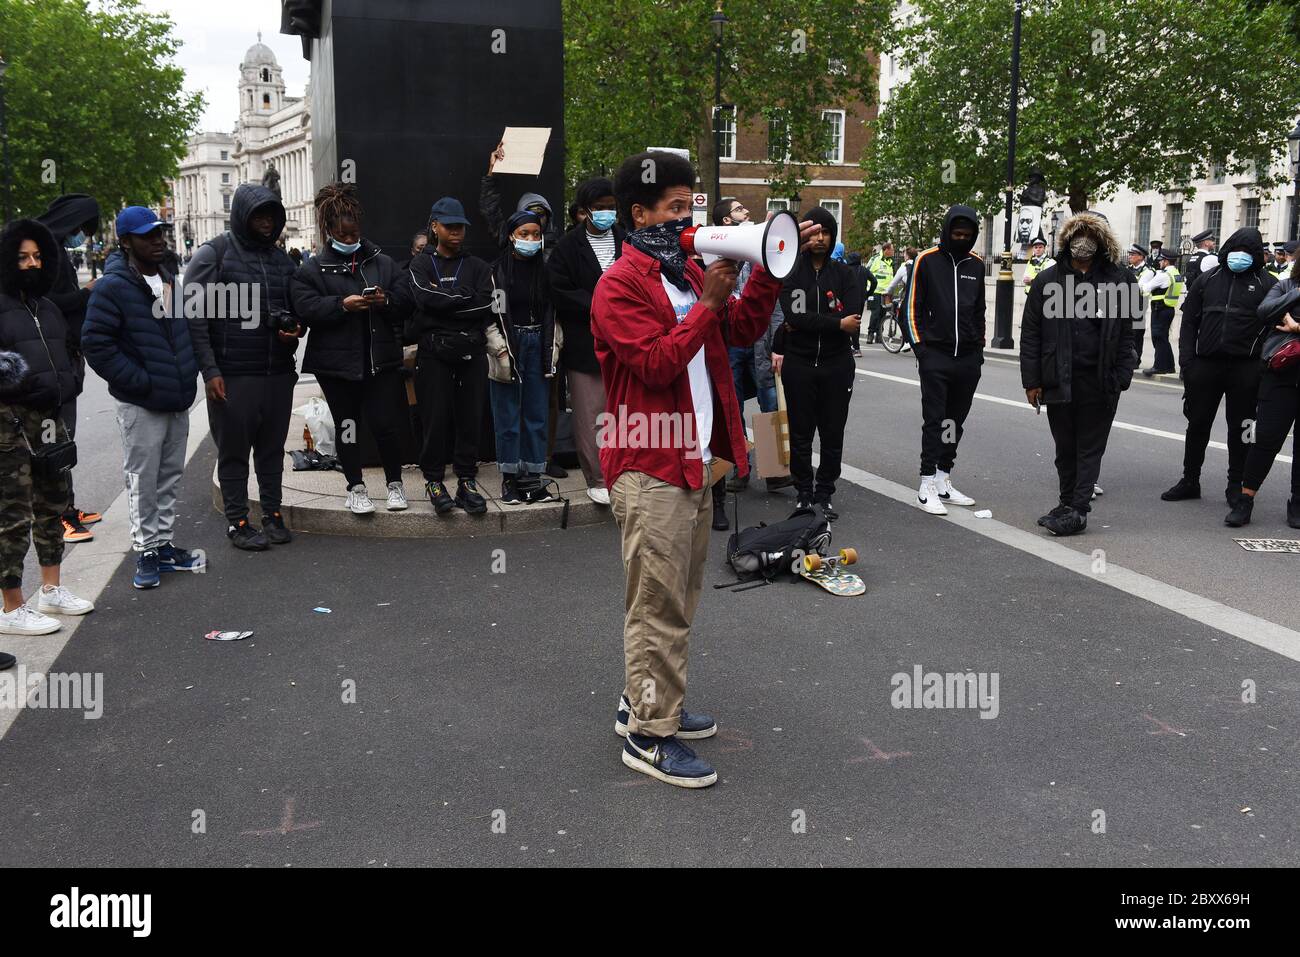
x,y
379,399
1279,405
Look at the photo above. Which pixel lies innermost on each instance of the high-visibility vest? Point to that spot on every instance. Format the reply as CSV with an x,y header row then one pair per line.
x,y
1034,267
1170,295
883,270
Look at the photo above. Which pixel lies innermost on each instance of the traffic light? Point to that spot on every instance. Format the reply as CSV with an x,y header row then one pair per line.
x,y
189,243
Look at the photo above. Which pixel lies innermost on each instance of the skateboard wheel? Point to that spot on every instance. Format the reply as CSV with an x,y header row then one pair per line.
x,y
812,562
849,556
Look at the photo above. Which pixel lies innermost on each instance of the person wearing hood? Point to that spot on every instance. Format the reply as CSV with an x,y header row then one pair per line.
x,y
137,340
945,326
74,220
523,347
1278,406
581,257
452,296
36,379
489,206
1076,357
1164,286
247,361
822,302
352,302
1219,343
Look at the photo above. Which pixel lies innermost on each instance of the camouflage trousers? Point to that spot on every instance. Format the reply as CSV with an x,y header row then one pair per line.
x,y
31,507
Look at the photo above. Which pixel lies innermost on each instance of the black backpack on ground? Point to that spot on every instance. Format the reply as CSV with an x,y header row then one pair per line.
x,y
770,551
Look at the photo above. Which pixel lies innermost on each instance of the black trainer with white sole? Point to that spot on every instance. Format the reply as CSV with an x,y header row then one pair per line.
x,y
667,760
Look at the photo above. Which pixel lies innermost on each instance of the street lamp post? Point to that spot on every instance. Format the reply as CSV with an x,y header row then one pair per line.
x,y
4,139
718,21
1293,150
1006,296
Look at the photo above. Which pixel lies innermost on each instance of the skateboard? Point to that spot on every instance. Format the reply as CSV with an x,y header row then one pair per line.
x,y
829,573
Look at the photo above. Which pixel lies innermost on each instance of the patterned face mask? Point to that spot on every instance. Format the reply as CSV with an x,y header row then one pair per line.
x,y
663,242
1083,247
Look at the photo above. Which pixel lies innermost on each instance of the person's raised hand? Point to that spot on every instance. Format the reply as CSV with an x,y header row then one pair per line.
x,y
496,156
719,282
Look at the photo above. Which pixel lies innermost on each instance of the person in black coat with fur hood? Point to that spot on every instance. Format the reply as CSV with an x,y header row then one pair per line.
x,y
36,378
1077,356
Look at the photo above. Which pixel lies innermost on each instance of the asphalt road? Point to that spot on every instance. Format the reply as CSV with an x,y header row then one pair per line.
x,y
481,731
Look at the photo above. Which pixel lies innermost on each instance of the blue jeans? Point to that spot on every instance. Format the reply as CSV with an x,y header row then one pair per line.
x,y
520,409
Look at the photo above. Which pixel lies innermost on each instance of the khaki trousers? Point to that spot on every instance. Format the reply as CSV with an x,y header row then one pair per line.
x,y
665,539
587,394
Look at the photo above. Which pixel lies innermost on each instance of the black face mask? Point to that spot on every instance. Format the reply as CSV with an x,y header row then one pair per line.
x,y
959,247
29,280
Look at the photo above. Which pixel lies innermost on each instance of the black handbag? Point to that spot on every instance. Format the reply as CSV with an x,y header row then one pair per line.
x,y
49,459
458,347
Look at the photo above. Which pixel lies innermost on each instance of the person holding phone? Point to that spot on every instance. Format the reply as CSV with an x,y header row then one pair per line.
x,y
1077,356
347,297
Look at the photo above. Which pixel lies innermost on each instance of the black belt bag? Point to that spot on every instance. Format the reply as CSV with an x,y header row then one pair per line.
x,y
49,459
458,347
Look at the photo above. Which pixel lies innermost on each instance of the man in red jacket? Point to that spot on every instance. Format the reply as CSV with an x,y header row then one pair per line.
x,y
662,327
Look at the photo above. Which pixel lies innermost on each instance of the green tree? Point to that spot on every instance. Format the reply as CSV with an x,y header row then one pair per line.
x,y
93,100
1113,93
639,73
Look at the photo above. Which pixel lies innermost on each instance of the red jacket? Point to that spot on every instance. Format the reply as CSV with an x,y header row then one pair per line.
x,y
644,353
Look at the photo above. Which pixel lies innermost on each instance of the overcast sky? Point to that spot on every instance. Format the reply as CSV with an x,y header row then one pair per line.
x,y
215,35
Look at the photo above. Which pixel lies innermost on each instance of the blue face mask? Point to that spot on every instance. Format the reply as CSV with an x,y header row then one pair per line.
x,y
527,247
346,248
602,219
1240,262
72,242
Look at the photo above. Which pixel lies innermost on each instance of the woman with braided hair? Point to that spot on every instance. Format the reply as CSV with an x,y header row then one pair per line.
x,y
347,298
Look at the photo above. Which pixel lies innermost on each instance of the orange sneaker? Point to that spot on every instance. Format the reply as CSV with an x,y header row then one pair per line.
x,y
74,531
89,518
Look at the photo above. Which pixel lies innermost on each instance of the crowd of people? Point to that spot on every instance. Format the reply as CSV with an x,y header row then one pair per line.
x,y
615,309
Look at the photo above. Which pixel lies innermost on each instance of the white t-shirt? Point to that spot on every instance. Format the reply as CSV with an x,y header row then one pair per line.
x,y
159,290
701,387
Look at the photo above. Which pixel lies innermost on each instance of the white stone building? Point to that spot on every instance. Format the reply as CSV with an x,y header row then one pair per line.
x,y
273,129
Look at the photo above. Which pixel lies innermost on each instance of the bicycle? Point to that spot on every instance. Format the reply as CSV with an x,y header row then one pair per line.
x,y
891,333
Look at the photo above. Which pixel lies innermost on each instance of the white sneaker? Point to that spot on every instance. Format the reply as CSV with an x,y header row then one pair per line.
x,y
396,497
359,501
599,495
1097,490
949,494
59,601
23,620
927,497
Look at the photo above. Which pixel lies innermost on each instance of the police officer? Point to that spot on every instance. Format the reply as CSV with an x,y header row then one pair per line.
x,y
1137,266
1280,265
1205,242
1038,259
1153,260
881,266
1164,287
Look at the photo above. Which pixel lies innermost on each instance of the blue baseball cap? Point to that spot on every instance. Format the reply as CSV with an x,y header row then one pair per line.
x,y
136,221
448,211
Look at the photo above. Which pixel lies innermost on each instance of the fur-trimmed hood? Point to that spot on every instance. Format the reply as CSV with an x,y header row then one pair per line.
x,y
13,369
1108,246
11,239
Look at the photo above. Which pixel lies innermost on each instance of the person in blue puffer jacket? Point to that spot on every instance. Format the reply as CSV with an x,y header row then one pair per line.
x,y
137,339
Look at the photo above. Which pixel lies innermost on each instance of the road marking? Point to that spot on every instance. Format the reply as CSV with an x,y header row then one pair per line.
x,y
87,569
1025,406
1206,611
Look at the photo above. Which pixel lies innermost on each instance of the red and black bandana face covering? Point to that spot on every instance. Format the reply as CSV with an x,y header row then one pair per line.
x,y
663,242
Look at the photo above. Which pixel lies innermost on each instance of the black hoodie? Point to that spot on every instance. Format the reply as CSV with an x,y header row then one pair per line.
x,y
66,215
43,339
945,296
1221,311
231,344
815,300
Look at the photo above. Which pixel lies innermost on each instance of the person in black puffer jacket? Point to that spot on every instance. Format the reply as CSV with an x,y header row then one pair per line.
x,y
1218,349
354,342
245,348
35,381
137,339
822,302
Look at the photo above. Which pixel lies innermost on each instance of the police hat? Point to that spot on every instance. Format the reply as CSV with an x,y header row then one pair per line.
x,y
1290,248
1203,235
1169,254
1136,250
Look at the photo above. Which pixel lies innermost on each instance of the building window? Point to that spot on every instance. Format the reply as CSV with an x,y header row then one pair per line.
x,y
833,123
226,225
1174,217
778,139
1214,217
1144,225
727,133
777,205
835,207
1250,214
225,202
266,101
225,155
225,177
1216,173
266,75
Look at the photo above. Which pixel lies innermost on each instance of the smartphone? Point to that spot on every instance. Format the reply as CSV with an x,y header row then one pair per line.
x,y
369,290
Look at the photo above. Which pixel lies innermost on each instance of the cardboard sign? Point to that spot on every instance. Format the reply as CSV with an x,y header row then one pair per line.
x,y
1274,546
768,430
523,149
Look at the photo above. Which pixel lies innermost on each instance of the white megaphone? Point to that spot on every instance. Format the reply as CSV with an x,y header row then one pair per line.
x,y
774,243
